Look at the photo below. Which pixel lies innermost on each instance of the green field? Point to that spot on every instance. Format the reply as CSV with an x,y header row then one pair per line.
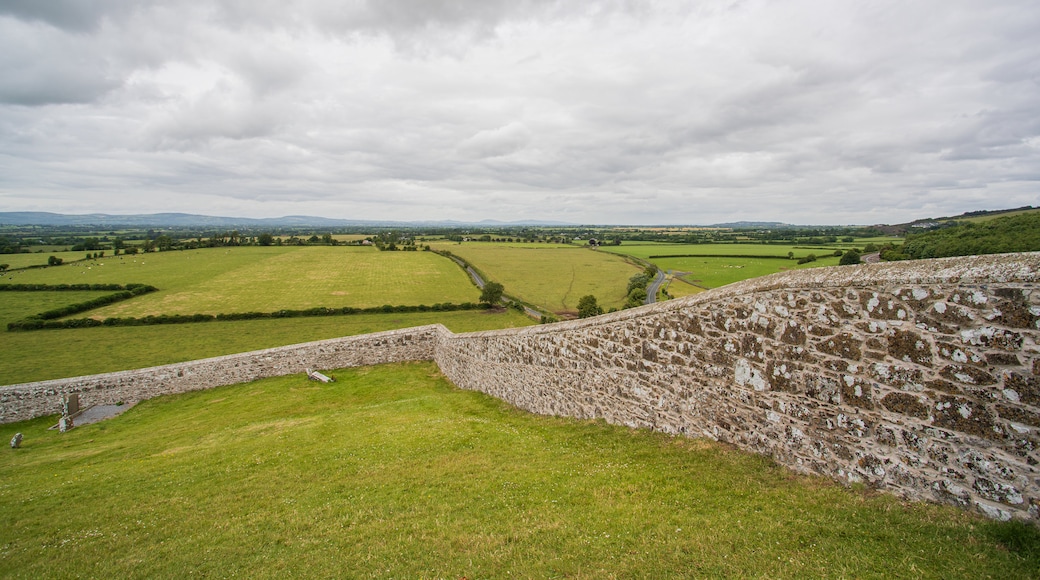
x,y
34,259
239,280
54,354
391,472
553,277
266,279
719,271
715,265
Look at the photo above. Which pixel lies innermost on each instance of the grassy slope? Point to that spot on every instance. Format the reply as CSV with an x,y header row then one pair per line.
x,y
245,279
986,218
391,472
553,277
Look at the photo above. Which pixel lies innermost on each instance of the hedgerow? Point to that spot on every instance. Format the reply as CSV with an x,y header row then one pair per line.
x,y
38,322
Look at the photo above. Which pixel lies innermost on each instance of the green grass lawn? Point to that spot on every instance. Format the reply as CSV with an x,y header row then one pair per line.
x,y
553,277
54,354
393,473
266,279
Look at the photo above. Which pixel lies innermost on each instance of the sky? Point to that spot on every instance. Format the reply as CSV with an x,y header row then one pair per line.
x,y
611,112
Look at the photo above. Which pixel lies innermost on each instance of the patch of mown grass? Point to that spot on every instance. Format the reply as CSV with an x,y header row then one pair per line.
x,y
266,279
392,472
554,277
54,354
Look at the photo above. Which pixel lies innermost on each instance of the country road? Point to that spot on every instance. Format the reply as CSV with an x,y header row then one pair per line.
x,y
480,284
654,288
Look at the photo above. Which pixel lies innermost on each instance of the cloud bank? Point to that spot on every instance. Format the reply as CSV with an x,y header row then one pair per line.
x,y
630,112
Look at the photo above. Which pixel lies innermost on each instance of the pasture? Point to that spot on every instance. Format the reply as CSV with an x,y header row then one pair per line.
x,y
391,472
713,272
55,354
266,279
550,276
714,265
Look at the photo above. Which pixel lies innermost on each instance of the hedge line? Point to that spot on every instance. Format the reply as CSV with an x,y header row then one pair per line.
x,y
64,287
46,318
718,256
36,323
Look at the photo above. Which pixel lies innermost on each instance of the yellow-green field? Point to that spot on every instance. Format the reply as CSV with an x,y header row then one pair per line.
x,y
553,277
266,279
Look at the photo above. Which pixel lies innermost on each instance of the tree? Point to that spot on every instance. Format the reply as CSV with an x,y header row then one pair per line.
x,y
265,239
849,258
492,293
54,261
587,307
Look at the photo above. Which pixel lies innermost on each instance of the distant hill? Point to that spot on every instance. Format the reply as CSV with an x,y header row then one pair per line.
x,y
925,224
1017,231
19,218
746,225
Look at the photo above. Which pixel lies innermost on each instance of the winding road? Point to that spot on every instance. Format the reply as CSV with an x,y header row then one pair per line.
x,y
654,288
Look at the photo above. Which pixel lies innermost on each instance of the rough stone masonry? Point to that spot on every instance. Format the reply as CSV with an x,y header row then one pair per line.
x,y
920,378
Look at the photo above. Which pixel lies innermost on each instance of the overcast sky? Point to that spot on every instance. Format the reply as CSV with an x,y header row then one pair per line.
x,y
615,112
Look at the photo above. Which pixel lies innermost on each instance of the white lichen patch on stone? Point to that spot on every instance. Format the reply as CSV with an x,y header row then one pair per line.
x,y
1011,395
919,293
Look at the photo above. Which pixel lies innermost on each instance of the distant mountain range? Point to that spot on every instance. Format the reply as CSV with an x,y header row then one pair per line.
x,y
27,218
185,220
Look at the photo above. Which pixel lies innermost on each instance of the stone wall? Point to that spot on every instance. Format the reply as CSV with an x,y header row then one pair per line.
x,y
29,400
921,378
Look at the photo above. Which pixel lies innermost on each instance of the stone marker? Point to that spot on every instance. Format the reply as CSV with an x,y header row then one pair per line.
x,y
16,441
70,404
65,424
316,376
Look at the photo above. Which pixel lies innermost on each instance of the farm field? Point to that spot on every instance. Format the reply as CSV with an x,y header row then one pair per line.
x,y
549,276
715,265
391,472
266,279
713,272
54,354
34,259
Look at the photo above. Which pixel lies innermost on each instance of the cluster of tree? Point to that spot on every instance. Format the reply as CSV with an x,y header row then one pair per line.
x,y
588,307
637,286
39,323
491,294
10,246
1015,233
88,244
849,258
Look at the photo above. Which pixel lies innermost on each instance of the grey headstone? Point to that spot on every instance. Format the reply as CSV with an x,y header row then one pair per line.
x,y
65,424
70,404
16,441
